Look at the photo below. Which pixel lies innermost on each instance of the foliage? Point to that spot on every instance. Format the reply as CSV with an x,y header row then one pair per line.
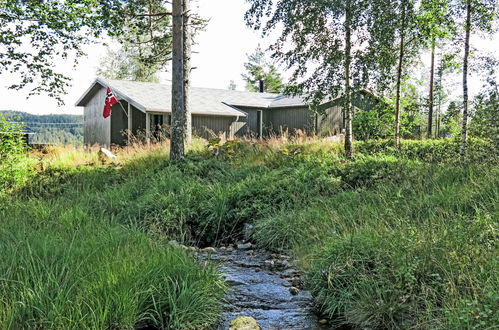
x,y
13,167
431,151
53,30
422,223
143,31
257,68
484,120
53,129
452,120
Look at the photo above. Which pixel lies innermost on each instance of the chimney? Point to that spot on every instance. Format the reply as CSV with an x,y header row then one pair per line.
x,y
262,86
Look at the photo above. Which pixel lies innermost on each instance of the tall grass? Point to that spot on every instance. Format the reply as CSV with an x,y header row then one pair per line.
x,y
389,240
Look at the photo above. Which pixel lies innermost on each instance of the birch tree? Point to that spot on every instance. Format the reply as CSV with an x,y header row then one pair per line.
x,y
480,16
330,42
435,23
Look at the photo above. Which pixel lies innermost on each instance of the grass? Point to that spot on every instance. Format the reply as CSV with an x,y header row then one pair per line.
x,y
393,239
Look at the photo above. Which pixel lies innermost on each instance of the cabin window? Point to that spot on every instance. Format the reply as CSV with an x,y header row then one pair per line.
x,y
259,123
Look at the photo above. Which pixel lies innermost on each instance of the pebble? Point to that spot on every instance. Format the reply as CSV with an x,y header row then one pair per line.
x,y
294,290
244,246
209,250
296,282
323,321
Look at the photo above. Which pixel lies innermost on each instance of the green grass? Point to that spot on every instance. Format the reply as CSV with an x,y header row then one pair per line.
x,y
393,239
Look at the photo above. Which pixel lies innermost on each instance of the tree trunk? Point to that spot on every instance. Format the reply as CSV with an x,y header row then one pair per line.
x,y
187,71
464,133
348,92
178,122
399,78
430,103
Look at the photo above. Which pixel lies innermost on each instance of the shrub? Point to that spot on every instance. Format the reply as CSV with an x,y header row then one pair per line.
x,y
431,151
13,163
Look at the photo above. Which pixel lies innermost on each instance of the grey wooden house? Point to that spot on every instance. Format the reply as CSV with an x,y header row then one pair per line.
x,y
147,106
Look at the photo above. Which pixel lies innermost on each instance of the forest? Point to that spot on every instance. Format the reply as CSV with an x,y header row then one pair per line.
x,y
58,129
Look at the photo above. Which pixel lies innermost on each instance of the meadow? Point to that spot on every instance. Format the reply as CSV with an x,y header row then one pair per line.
x,y
392,239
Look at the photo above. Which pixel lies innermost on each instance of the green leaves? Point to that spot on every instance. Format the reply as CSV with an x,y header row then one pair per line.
x,y
34,34
258,68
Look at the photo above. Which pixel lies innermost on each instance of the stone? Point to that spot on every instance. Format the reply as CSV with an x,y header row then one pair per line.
x,y
247,231
296,282
323,321
230,249
244,323
192,248
209,250
223,248
294,290
269,263
173,243
250,252
257,270
183,247
246,246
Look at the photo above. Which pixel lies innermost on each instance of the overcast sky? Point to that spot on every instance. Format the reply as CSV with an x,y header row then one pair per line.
x,y
219,58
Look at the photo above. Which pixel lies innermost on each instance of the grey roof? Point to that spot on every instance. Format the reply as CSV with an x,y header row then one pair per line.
x,y
156,97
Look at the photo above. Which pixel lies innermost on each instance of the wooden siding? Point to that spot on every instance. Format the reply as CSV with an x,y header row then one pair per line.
x,y
290,120
330,122
213,126
97,130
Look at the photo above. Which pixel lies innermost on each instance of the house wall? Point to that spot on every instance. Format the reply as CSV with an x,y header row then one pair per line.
x,y
291,120
330,122
213,126
97,130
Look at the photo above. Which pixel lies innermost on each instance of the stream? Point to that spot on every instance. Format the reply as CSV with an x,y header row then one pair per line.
x,y
264,286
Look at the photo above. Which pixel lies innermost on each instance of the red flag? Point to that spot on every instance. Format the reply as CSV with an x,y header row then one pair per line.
x,y
110,101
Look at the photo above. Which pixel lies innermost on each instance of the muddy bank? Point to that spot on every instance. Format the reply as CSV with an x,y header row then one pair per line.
x,y
264,286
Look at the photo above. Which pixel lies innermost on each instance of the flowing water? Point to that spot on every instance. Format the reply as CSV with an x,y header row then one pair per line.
x,y
266,287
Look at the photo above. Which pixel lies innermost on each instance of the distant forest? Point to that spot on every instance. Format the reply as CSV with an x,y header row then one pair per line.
x,y
52,129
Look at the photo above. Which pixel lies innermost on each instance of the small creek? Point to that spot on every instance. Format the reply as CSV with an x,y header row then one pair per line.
x,y
266,287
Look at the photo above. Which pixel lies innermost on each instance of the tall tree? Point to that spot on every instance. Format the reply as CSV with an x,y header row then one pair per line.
x,y
124,65
480,15
177,147
435,23
340,33
186,53
143,30
258,68
34,34
395,21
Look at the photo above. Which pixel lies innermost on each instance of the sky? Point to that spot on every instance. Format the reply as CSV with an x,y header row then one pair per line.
x,y
219,57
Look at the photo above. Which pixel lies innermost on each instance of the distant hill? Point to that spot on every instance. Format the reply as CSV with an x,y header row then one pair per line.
x,y
53,129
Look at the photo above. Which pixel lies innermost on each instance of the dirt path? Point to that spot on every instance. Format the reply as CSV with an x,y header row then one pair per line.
x,y
266,287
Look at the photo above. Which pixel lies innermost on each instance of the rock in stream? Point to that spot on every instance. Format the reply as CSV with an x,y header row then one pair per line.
x,y
266,287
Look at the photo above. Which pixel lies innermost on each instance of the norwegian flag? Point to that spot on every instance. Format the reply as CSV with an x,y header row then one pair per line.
x,y
110,101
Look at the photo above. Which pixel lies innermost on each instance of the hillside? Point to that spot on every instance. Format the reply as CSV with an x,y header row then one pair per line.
x,y
51,129
392,239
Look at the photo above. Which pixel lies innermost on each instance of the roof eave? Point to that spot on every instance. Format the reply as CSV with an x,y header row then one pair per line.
x,y
119,95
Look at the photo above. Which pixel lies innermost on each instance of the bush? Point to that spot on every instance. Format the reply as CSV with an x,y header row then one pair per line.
x,y
439,278
431,151
13,163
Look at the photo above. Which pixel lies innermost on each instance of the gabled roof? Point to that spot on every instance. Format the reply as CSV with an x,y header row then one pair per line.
x,y
154,97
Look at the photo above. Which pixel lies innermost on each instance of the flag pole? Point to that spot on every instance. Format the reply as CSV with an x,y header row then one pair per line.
x,y
121,105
